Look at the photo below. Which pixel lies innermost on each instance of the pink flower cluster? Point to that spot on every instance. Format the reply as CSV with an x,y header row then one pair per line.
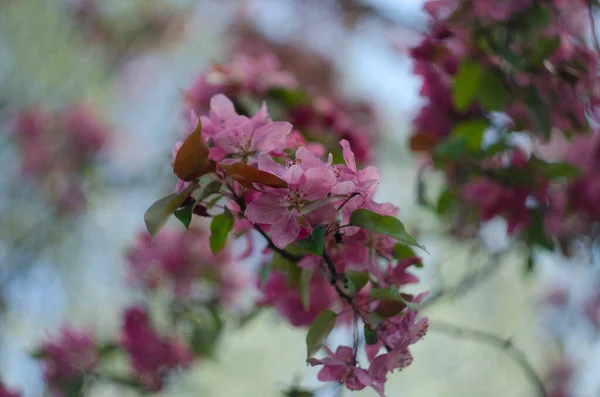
x,y
262,78
68,360
56,147
152,356
396,334
287,193
181,260
542,76
243,74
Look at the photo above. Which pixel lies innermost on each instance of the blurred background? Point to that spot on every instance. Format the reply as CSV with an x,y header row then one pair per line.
x,y
92,101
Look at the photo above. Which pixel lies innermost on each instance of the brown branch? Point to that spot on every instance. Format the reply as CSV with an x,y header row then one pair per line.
x,y
505,345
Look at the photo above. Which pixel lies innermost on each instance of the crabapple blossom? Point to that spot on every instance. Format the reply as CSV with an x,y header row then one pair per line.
x,y
152,356
68,359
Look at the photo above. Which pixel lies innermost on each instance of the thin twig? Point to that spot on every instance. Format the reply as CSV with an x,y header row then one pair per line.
x,y
467,283
505,345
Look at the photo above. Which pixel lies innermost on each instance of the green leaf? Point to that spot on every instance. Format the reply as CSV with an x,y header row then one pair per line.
x,y
538,17
211,188
445,202
384,224
539,113
375,319
452,148
530,264
107,349
207,330
402,251
290,97
315,243
295,392
185,214
318,331
472,131
545,47
157,215
358,279
370,335
411,305
493,93
305,278
558,170
220,227
392,294
465,84
264,275
536,233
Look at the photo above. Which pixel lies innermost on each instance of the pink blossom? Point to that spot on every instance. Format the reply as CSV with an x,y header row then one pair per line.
x,y
352,180
495,199
499,10
152,356
398,275
288,303
176,257
398,333
85,128
308,181
68,359
29,129
239,136
244,73
341,367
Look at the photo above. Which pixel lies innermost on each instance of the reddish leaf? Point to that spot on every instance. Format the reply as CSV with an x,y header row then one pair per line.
x,y
246,175
422,142
192,160
389,308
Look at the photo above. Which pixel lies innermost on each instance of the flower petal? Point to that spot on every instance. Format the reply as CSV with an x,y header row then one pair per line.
x,y
348,155
285,230
267,137
265,209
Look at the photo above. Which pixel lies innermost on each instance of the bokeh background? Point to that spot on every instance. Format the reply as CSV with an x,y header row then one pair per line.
x,y
63,238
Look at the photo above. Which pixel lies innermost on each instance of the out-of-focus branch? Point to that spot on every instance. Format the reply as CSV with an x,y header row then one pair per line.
x,y
469,282
505,345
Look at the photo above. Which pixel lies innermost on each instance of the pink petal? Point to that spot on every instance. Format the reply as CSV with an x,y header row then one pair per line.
x,y
294,175
266,163
307,159
262,117
363,377
193,119
318,183
222,107
330,374
265,209
322,215
285,230
309,262
267,137
343,188
348,155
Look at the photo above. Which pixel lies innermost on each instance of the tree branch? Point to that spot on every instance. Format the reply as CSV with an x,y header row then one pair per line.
x,y
467,283
505,345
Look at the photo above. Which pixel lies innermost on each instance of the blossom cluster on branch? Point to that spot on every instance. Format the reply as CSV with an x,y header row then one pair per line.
x,y
495,72
251,168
